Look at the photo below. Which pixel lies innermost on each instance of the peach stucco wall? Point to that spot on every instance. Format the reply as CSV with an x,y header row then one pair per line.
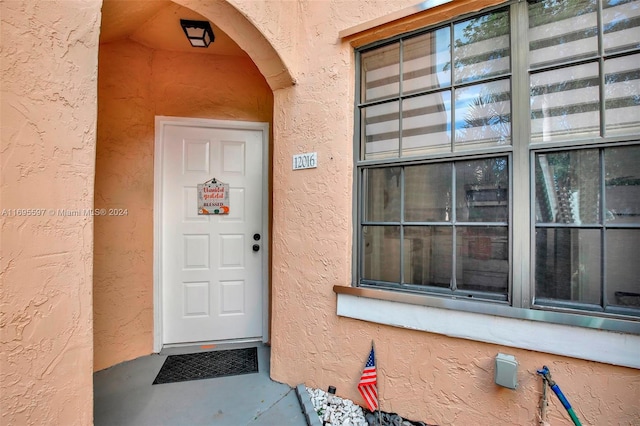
x,y
136,84
49,90
423,376
49,60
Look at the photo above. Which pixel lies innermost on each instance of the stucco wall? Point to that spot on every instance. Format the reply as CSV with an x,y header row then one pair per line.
x,y
422,376
49,67
135,85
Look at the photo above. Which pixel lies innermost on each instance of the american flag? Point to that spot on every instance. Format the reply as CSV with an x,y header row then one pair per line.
x,y
368,382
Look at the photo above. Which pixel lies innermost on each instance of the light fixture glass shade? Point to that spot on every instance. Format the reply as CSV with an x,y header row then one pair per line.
x,y
199,33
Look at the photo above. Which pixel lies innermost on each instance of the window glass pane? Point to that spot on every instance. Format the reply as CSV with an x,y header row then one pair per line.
x,y
622,180
621,22
622,94
565,103
426,124
381,129
481,47
380,75
568,264
482,190
483,115
381,253
568,187
562,31
427,193
429,252
426,61
483,259
623,268
383,195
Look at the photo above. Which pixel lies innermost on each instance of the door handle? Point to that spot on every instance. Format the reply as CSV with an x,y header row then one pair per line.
x,y
256,247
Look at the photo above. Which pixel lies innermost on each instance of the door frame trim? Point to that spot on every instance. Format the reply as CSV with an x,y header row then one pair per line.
x,y
160,123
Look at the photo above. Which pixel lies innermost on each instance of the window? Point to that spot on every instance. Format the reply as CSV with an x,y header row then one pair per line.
x,y
454,234
498,160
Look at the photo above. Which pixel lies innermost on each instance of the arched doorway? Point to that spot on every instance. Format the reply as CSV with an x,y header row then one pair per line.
x,y
148,69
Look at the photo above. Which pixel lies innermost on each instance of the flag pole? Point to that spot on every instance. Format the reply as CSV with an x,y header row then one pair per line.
x,y
373,346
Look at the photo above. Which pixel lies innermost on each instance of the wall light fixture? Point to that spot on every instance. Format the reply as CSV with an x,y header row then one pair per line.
x,y
199,33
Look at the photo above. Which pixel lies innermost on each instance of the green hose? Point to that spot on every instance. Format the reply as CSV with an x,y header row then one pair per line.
x,y
565,403
546,375
574,417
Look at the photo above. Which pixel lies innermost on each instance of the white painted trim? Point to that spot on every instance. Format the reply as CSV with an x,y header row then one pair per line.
x,y
266,205
160,123
157,236
577,342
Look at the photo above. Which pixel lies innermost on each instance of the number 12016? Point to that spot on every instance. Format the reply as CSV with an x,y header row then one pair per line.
x,y
305,161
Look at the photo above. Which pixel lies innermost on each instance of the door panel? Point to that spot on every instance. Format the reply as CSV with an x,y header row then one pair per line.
x,y
212,282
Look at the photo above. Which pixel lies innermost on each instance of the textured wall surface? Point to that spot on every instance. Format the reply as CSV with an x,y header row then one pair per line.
x,y
48,116
49,62
123,250
135,85
423,376
250,38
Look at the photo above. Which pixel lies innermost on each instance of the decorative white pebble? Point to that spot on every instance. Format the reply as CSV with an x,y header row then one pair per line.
x,y
335,411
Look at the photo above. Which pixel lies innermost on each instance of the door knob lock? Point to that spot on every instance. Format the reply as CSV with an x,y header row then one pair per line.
x,y
256,247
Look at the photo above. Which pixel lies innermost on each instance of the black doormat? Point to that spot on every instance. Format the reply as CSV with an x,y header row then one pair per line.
x,y
207,365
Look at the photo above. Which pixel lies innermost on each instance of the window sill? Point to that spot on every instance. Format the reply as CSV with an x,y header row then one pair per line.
x,y
542,331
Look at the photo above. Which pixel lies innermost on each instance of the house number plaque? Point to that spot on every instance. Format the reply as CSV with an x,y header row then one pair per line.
x,y
305,161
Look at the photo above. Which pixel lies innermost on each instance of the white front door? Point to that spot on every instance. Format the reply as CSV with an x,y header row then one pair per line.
x,y
211,266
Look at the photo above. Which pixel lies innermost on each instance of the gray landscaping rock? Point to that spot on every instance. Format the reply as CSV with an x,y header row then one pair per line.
x,y
335,411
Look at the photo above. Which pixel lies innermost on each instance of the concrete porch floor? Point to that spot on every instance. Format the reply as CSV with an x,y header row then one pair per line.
x,y
124,395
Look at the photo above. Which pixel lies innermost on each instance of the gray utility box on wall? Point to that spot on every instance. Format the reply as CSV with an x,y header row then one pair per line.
x,y
506,371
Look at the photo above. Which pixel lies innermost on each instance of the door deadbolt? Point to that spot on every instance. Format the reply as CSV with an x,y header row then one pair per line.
x,y
256,237
256,247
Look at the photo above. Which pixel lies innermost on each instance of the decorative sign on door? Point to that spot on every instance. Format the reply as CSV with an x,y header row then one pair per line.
x,y
213,197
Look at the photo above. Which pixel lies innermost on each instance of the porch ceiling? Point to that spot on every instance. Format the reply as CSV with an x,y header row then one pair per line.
x,y
156,24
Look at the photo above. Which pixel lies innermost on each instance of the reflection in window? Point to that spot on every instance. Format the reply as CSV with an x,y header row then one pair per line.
x,y
425,59
622,180
381,73
562,31
448,141
428,193
465,249
565,103
381,260
483,190
483,257
575,230
568,264
429,255
426,127
621,23
622,94
481,47
566,99
383,195
568,187
483,115
381,130
623,268
407,105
